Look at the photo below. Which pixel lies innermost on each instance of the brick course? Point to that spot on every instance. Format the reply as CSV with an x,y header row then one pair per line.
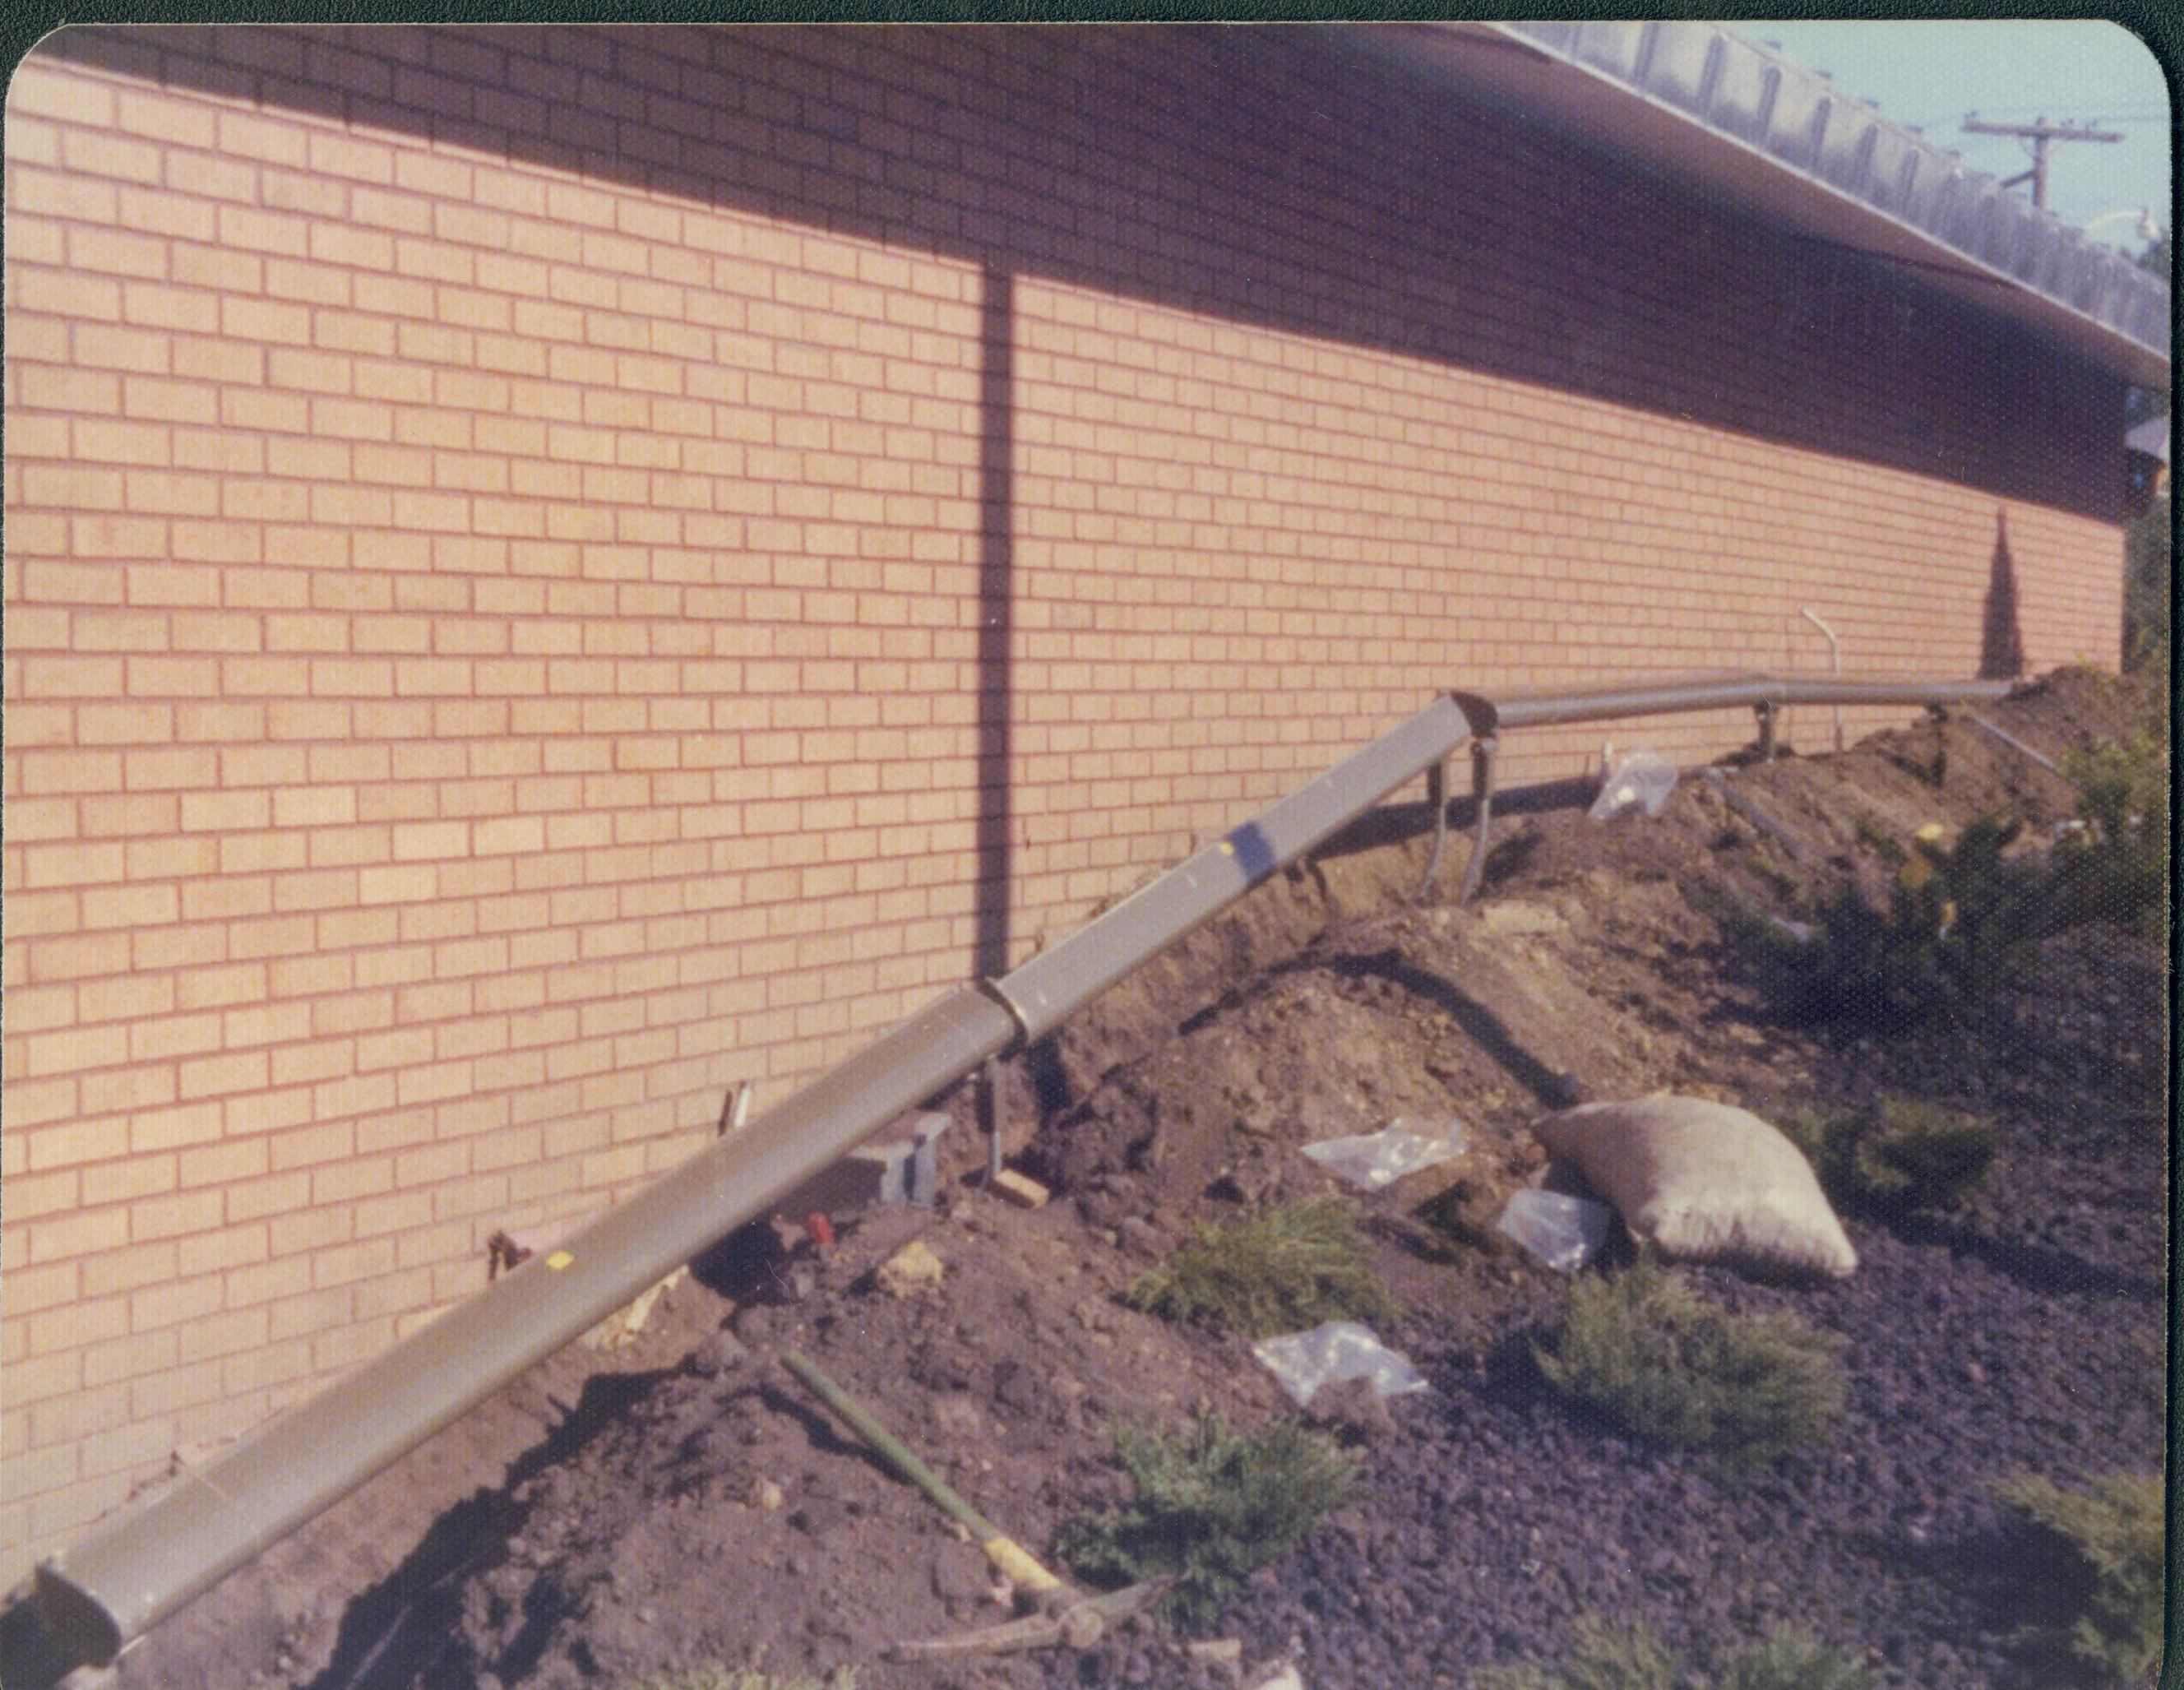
x,y
550,568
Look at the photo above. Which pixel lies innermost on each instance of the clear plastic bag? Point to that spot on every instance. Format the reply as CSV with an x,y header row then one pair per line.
x,y
1403,1146
1564,1233
1341,1349
1643,778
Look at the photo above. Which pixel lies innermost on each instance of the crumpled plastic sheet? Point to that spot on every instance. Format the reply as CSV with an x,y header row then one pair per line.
x,y
1643,778
1341,1349
1403,1146
1563,1232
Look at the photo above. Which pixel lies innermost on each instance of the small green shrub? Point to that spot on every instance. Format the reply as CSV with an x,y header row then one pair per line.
x,y
1283,1271
1959,923
2116,1525
2117,869
1607,1657
1793,1661
1613,1657
1893,1153
750,1678
1655,1358
1212,1506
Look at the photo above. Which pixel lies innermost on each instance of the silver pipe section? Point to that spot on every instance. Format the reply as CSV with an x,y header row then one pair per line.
x,y
140,1565
1835,664
2013,742
1732,692
146,1561
1054,982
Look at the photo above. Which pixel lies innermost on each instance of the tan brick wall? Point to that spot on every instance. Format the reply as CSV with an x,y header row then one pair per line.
x,y
522,544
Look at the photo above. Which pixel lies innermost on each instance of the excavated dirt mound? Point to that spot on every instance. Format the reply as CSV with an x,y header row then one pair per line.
x,y
617,1517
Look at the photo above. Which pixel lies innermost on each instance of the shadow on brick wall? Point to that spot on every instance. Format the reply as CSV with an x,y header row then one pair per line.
x,y
1273,177
2001,641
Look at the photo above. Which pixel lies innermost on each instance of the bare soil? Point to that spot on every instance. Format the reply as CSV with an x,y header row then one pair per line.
x,y
617,1517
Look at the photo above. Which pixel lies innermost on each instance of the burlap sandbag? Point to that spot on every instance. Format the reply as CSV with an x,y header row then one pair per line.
x,y
1704,1181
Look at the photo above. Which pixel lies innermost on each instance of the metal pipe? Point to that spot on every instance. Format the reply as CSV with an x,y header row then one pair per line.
x,y
1482,784
1054,982
2012,741
1437,801
989,1101
1834,665
1733,692
145,1561
148,1558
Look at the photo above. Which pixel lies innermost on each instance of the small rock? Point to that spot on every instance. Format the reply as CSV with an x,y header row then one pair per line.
x,y
1140,1237
911,1271
1975,1373
958,1576
1510,917
1020,1189
1217,1651
717,1354
767,1496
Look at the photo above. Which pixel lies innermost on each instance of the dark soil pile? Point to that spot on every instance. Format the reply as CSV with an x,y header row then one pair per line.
x,y
619,1517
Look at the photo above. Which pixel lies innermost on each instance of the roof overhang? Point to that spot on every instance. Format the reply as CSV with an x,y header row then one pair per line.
x,y
1759,134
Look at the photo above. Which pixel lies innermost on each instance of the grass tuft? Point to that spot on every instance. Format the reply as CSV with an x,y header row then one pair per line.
x,y
1616,1657
1656,1358
1894,1153
1793,1661
1286,1271
2116,1525
1607,1657
1212,1506
750,1678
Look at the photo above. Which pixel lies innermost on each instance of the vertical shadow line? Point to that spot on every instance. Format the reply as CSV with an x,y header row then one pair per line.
x,y
996,616
2002,639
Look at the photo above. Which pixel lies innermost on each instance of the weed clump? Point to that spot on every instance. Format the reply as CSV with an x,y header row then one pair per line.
x,y
1894,1153
1793,1661
1613,1657
2116,1527
1607,1657
1285,1270
1212,1506
1656,1358
750,1678
1959,923
2116,868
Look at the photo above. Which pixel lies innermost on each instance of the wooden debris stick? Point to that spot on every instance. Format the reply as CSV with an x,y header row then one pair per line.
x,y
1080,1624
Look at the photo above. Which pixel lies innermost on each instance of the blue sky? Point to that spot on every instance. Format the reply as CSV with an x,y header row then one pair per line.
x,y
1929,74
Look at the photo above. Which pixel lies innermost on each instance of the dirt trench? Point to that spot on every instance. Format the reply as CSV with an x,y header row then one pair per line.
x,y
618,1517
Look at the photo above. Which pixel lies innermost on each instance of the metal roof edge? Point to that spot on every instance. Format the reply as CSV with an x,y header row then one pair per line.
x,y
1839,149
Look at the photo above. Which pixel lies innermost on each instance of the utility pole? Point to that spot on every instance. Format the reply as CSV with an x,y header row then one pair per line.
x,y
2039,132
